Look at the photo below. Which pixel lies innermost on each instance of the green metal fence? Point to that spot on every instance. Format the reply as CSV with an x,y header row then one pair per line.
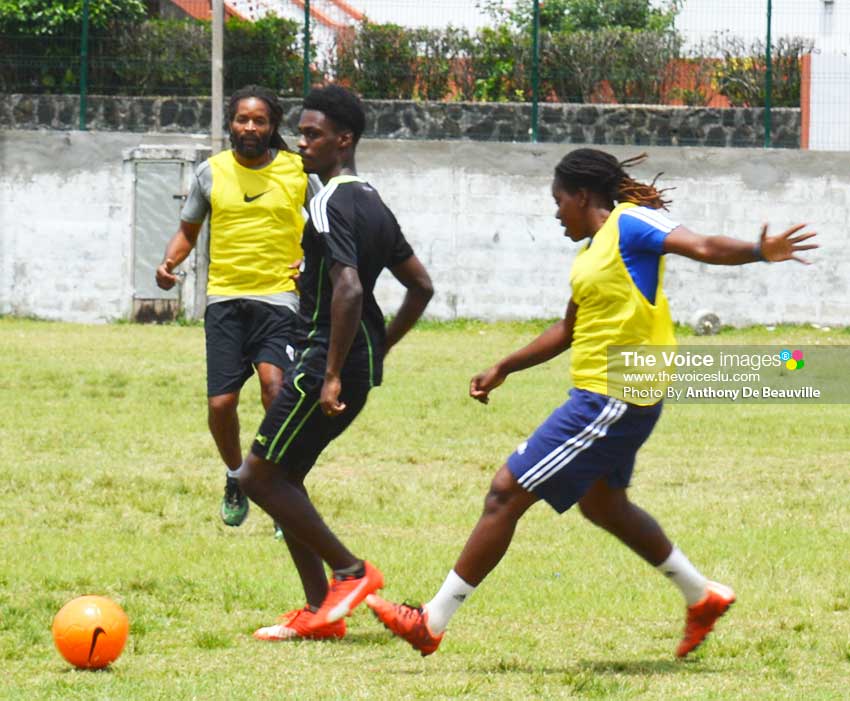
x,y
611,51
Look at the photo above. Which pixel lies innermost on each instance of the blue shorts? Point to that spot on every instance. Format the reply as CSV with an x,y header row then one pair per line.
x,y
588,438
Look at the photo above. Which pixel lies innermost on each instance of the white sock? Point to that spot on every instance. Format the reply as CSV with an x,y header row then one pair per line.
x,y
685,576
448,600
234,474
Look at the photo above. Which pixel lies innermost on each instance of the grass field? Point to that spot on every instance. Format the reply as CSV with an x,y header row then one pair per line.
x,y
110,484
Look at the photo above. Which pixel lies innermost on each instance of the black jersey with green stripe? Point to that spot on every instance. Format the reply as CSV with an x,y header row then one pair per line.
x,y
350,225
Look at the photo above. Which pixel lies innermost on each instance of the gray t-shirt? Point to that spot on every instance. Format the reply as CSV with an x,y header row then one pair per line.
x,y
197,207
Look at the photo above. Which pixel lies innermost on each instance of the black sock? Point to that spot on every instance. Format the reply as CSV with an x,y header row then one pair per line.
x,y
354,572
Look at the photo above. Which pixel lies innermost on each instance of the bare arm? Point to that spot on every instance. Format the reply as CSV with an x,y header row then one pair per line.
x,y
553,341
412,274
723,250
346,309
177,250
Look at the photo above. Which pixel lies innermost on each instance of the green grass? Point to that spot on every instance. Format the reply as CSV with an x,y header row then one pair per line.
x,y
110,485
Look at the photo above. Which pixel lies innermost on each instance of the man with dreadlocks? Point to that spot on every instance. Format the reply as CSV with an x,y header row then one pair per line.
x,y
254,195
585,451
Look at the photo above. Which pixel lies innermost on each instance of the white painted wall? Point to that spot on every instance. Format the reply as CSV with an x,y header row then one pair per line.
x,y
63,227
66,223
479,214
482,218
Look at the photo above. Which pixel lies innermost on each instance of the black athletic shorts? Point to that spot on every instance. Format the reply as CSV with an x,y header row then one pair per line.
x,y
242,333
295,431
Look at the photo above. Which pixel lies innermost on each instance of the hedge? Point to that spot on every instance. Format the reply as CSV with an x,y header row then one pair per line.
x,y
392,62
156,57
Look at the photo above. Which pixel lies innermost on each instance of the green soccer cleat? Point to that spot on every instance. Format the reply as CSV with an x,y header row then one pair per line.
x,y
234,504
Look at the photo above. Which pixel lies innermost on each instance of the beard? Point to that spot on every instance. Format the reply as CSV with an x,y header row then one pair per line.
x,y
249,146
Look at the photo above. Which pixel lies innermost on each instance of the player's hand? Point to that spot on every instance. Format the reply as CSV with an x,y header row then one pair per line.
x,y
296,276
329,398
485,382
165,279
776,249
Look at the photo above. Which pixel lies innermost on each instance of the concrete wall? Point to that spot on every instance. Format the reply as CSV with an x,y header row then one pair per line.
x,y
480,215
66,224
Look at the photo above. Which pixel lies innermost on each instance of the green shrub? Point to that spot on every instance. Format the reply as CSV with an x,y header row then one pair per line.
x,y
587,15
575,65
620,50
64,17
265,52
639,64
501,65
441,63
38,64
377,61
157,56
741,67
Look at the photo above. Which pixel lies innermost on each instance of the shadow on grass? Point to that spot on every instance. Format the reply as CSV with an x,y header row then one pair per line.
x,y
71,669
643,667
377,637
599,667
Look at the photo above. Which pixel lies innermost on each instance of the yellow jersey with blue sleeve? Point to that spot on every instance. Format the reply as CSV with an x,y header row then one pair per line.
x,y
617,286
256,222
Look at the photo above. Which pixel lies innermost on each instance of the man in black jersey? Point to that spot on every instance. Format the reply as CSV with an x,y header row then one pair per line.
x,y
350,238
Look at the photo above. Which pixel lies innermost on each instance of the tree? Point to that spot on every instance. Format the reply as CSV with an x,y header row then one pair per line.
x,y
52,17
589,15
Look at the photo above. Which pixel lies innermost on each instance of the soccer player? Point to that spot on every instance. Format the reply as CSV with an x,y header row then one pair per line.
x,y
585,451
254,195
350,238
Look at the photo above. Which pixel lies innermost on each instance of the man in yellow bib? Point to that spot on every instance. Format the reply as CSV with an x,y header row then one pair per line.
x,y
254,195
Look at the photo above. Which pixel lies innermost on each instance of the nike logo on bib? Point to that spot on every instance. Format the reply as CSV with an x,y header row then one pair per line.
x,y
251,199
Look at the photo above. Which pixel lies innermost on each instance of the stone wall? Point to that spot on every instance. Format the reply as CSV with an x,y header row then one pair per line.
x,y
649,125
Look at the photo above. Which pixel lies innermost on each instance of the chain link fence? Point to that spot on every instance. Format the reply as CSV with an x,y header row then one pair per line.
x,y
756,54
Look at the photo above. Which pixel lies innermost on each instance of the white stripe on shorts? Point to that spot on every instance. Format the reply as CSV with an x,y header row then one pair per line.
x,y
564,453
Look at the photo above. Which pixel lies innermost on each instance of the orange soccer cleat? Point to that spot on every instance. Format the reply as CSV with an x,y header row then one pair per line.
x,y
346,594
702,616
295,625
407,622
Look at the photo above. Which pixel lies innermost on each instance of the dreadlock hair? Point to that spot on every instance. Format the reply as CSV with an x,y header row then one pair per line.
x,y
600,172
275,110
339,105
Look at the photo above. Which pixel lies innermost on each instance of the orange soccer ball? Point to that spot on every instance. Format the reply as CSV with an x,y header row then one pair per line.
x,y
90,631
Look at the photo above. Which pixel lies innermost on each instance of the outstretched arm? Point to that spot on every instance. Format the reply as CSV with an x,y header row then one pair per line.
x,y
412,274
177,250
553,341
723,250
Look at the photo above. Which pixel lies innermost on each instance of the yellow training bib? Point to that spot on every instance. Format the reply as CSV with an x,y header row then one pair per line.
x,y
255,225
613,312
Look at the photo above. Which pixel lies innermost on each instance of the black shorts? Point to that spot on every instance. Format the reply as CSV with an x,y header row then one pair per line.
x,y
295,431
242,333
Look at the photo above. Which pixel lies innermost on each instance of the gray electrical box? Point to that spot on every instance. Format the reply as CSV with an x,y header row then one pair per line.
x,y
161,179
